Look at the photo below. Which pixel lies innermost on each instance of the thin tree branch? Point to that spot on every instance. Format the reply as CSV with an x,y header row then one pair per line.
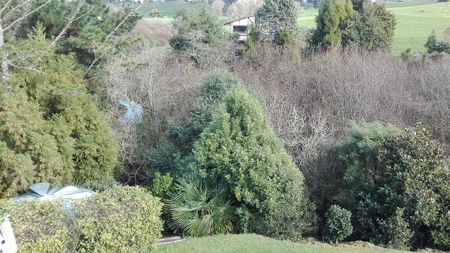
x,y
69,23
6,6
108,36
26,15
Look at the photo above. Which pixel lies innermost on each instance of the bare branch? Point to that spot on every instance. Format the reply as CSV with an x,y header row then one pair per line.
x,y
69,23
6,6
108,36
26,15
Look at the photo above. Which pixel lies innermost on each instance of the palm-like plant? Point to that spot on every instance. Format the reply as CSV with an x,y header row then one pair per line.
x,y
199,211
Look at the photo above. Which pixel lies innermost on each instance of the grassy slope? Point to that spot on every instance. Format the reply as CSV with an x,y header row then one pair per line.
x,y
259,244
415,22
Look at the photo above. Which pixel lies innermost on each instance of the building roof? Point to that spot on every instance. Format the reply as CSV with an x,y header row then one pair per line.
x,y
239,19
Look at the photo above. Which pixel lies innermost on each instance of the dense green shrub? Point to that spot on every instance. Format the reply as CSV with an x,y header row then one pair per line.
x,y
372,29
338,224
358,155
121,219
359,24
50,128
42,226
174,152
332,13
276,21
435,46
397,189
240,153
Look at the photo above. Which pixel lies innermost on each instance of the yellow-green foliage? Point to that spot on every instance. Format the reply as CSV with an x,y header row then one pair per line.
x,y
41,226
121,219
50,128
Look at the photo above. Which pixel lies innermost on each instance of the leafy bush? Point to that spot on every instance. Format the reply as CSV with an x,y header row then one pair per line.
x,y
240,153
42,226
50,128
174,152
435,46
404,189
338,224
372,29
396,231
121,219
276,19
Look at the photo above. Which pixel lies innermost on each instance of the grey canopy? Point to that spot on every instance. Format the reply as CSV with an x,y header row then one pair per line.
x,y
43,191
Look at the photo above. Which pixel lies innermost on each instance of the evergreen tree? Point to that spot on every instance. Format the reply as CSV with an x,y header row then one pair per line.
x,y
275,18
332,13
50,128
240,154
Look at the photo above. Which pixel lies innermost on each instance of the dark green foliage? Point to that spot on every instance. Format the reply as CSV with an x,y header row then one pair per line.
x,y
201,37
175,151
338,224
42,226
396,231
240,153
50,128
435,46
371,30
274,18
357,24
86,38
397,189
332,14
120,219
197,210
358,155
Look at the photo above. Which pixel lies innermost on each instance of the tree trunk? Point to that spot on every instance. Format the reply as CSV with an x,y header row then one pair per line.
x,y
5,71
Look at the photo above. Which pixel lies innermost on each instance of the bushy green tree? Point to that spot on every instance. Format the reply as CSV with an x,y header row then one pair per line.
x,y
174,152
202,38
276,19
338,224
399,184
240,153
332,14
372,29
50,128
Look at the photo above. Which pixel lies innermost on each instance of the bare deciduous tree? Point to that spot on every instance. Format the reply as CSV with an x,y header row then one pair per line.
x,y
243,8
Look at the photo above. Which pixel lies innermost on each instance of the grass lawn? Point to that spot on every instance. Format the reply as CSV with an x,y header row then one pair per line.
x,y
415,22
251,243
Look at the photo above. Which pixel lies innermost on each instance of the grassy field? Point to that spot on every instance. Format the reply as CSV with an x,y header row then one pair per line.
x,y
259,244
415,22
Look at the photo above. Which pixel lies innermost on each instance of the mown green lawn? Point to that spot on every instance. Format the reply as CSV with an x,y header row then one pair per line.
x,y
251,243
415,22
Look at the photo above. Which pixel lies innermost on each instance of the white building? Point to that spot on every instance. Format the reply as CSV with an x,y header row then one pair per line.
x,y
241,27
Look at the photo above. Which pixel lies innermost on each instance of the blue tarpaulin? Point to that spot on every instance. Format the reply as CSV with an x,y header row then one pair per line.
x,y
134,112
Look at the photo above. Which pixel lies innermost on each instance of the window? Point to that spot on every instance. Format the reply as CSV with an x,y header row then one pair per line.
x,y
240,29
